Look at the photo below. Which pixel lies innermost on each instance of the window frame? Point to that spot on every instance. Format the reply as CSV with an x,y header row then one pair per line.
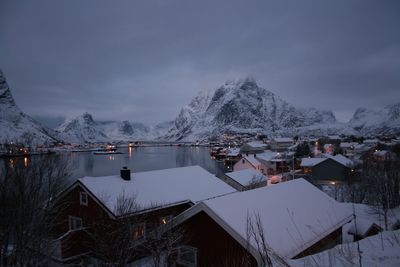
x,y
72,223
188,249
81,202
136,225
169,219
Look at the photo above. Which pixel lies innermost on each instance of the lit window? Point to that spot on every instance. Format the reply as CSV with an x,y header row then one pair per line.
x,y
74,223
187,256
138,231
166,219
83,198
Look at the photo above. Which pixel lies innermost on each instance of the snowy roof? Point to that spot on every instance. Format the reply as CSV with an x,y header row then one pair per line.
x,y
267,155
371,141
155,188
253,160
341,159
256,144
360,146
233,152
246,176
361,226
311,162
294,215
283,139
348,145
293,147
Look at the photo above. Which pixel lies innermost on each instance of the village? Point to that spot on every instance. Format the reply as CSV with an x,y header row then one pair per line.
x,y
282,202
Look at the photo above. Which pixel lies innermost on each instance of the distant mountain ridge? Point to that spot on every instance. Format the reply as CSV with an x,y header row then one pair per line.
x,y
84,129
239,106
15,125
377,121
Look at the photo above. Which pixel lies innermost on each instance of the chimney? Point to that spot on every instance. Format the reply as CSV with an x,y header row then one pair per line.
x,y
126,173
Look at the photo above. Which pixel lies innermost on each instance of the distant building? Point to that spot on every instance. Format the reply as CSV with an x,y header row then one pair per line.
x,y
281,144
249,162
384,155
245,179
325,170
273,162
253,148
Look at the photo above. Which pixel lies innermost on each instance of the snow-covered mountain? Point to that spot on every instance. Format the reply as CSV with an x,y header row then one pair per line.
x,y
377,121
125,130
81,129
16,126
84,129
236,107
242,106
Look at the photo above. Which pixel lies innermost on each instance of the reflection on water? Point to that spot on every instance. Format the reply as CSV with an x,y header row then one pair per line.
x,y
140,159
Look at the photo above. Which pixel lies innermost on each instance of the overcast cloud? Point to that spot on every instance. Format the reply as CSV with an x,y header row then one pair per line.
x,y
144,60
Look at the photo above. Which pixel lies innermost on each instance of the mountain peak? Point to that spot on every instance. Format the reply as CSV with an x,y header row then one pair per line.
x,y
87,118
6,99
16,125
242,106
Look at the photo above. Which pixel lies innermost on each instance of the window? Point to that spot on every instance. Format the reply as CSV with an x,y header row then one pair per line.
x,y
165,220
74,223
187,256
138,231
83,196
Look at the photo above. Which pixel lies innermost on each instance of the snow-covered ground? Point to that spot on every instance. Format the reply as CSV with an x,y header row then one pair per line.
x,y
382,249
379,250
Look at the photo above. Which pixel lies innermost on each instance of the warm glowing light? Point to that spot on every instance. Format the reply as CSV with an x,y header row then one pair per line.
x,y
130,152
333,183
26,162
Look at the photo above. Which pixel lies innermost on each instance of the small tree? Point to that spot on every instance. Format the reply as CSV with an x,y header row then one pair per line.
x,y
26,213
256,236
303,150
383,180
258,180
132,235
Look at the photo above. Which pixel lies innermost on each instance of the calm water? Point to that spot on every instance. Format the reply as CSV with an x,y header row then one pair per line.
x,y
141,159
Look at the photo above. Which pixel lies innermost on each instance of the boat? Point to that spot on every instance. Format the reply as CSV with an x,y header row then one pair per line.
x,y
111,152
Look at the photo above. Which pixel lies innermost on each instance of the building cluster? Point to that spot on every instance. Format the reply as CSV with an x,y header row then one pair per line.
x,y
325,160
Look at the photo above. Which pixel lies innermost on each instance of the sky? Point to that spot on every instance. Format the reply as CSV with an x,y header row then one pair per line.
x,y
144,60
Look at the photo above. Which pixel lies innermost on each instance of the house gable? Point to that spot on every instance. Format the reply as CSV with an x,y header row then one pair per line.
x,y
215,246
294,221
329,169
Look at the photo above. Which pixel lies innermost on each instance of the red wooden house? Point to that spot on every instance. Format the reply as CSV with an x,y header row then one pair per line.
x,y
95,209
297,220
